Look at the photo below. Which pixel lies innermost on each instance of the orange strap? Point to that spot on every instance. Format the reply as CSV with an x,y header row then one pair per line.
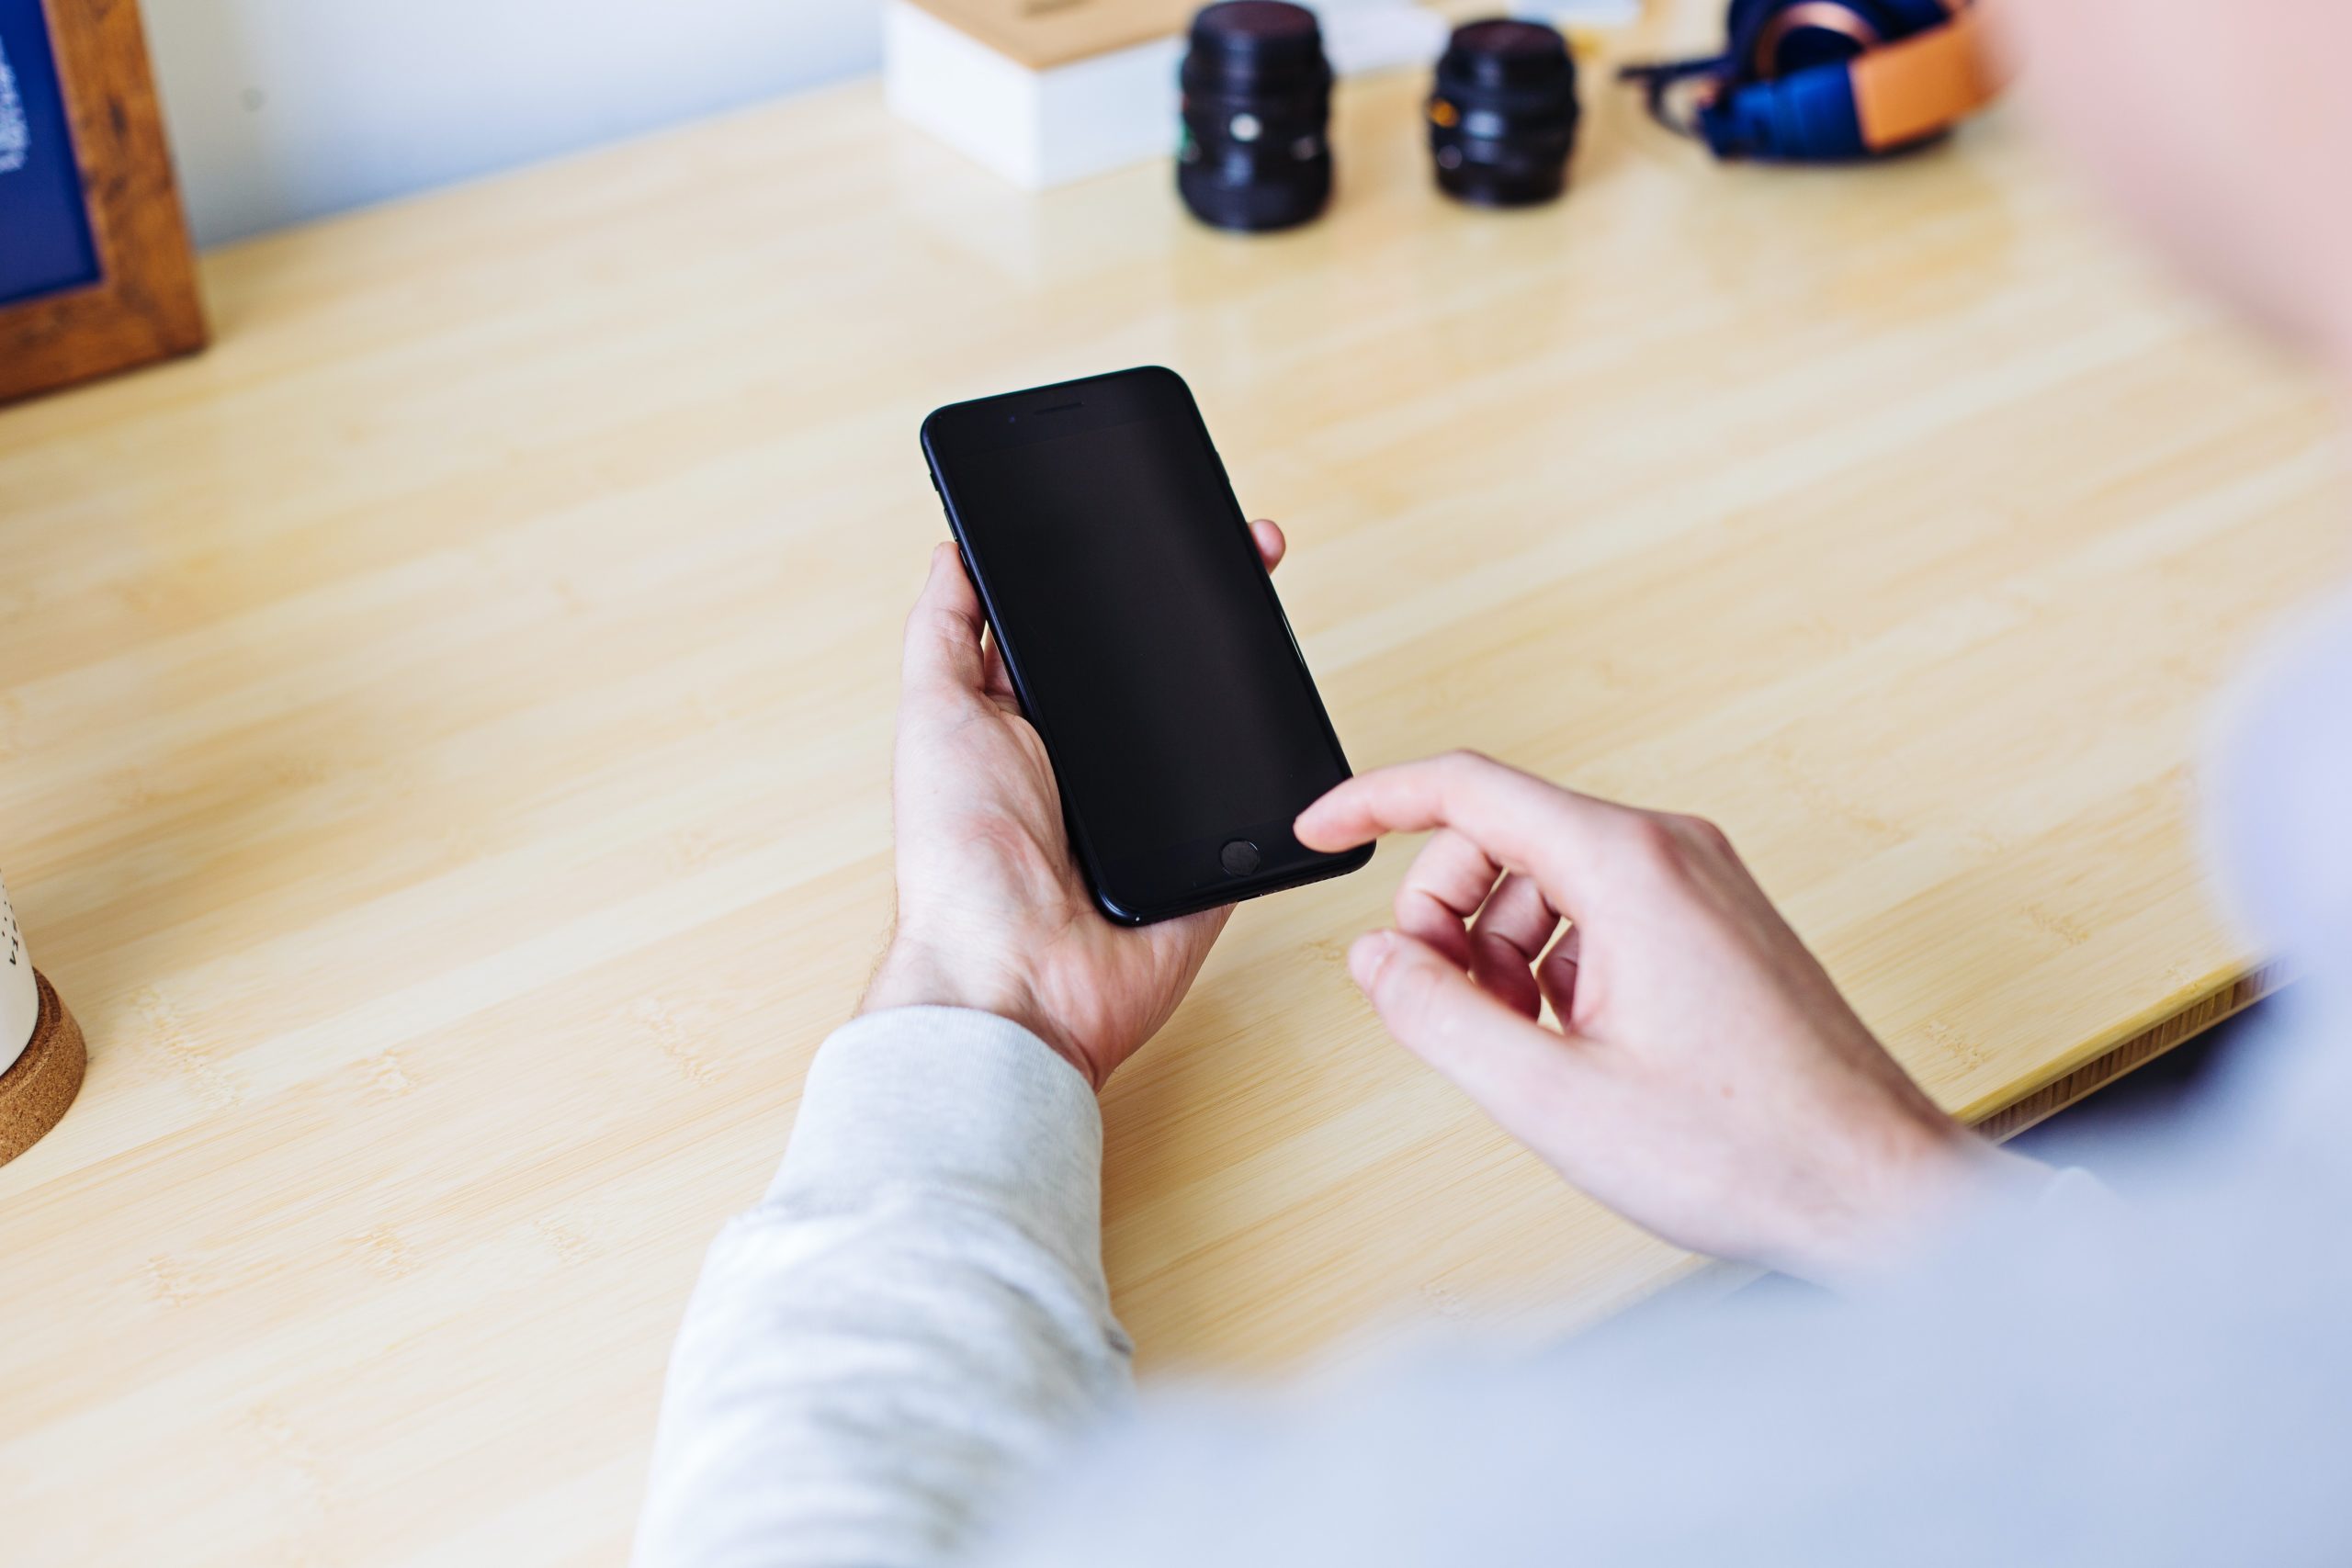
x,y
1922,84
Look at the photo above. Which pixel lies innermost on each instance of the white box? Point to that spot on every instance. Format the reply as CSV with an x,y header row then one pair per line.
x,y
1046,127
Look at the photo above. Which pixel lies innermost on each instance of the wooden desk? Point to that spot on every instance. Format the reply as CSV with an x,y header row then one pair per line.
x,y
445,732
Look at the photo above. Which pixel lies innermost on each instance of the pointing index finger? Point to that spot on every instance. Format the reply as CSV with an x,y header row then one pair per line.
x,y
1522,822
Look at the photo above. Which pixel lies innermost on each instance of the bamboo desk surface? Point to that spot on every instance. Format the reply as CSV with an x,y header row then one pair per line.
x,y
445,732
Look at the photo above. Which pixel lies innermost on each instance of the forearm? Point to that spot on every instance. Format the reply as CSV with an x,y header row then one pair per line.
x,y
913,1323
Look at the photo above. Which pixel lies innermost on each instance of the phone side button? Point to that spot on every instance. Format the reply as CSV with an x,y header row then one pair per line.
x,y
1240,858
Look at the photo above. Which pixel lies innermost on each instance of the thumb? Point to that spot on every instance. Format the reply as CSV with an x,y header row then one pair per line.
x,y
1498,1057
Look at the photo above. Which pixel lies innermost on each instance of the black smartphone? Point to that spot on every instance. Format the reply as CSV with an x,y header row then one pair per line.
x,y
1143,638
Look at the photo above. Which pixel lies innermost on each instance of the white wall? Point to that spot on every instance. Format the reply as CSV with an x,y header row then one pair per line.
x,y
285,110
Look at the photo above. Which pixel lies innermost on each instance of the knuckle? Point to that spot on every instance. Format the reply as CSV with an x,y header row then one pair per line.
x,y
1407,990
940,625
1458,775
1650,840
1703,832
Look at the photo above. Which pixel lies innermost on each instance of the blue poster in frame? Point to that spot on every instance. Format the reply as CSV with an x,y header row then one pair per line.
x,y
46,247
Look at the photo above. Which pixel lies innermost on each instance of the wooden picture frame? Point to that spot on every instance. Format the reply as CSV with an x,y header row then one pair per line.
x,y
142,304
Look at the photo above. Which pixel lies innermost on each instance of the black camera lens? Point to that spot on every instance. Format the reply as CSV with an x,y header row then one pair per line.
x,y
1256,109
1503,118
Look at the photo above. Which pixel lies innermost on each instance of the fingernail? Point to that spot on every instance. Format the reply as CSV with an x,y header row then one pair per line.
x,y
1367,954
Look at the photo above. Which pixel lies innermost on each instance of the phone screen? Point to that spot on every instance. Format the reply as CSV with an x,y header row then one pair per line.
x,y
1143,637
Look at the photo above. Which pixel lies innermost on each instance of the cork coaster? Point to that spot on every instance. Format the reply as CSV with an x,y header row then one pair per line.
x,y
34,1093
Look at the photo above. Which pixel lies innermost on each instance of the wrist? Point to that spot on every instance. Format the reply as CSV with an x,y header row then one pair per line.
x,y
912,974
1927,1177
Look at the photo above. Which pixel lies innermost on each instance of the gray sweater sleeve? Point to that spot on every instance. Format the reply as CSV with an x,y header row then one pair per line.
x,y
904,1333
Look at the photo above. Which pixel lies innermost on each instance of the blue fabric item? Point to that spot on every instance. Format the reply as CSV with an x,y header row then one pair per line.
x,y
1747,19
1809,116
1900,19
1891,20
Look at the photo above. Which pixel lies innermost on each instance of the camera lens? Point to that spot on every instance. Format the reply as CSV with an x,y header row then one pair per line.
x,y
1503,118
1257,107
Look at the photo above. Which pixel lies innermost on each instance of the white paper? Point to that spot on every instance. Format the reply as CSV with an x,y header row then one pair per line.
x,y
19,998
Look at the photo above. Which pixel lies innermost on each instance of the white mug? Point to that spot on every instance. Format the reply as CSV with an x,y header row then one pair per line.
x,y
19,997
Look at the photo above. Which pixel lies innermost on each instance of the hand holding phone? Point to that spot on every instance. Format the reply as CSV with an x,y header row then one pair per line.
x,y
993,911
1142,638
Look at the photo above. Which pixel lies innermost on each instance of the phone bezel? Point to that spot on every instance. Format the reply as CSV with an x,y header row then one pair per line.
x,y
1068,408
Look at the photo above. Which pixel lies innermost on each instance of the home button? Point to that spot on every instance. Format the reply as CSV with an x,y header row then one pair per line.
x,y
1240,858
